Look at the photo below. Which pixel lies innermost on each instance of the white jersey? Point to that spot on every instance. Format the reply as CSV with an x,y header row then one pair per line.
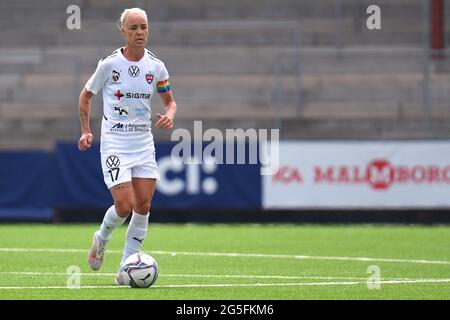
x,y
127,89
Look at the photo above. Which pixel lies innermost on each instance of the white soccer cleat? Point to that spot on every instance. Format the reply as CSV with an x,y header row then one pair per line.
x,y
119,280
95,257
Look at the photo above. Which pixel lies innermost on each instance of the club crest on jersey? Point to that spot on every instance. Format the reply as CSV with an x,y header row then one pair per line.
x,y
115,75
149,77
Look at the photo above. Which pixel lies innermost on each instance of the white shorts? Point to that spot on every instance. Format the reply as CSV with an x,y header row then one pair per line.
x,y
122,167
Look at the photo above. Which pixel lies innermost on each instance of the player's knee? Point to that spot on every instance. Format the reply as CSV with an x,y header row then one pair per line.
x,y
124,207
142,207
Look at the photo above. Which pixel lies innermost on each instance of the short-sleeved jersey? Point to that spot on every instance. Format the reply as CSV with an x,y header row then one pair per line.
x,y
127,89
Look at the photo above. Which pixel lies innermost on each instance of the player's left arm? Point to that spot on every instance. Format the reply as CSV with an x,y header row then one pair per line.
x,y
166,121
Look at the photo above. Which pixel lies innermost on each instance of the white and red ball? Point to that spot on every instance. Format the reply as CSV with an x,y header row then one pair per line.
x,y
139,270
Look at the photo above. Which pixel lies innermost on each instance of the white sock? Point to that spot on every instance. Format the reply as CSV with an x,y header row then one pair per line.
x,y
136,234
110,222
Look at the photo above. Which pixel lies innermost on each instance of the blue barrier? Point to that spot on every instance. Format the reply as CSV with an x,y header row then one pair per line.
x,y
33,183
78,178
25,185
206,185
79,182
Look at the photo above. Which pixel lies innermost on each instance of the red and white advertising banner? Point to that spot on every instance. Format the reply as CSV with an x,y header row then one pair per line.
x,y
360,174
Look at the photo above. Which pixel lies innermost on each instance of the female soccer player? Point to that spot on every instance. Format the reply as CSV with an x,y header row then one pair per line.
x,y
129,78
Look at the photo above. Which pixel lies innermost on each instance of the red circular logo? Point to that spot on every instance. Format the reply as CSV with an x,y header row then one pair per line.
x,y
380,174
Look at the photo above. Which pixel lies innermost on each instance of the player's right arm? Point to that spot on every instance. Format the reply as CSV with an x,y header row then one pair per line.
x,y
85,109
93,86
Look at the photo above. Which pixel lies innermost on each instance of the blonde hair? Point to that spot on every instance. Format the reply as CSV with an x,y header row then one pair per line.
x,y
126,13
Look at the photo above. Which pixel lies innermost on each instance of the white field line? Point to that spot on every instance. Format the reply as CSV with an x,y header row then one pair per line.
x,y
299,284
306,283
301,257
171,275
245,255
99,274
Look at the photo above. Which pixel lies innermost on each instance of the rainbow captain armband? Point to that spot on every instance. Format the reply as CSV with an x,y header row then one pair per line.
x,y
163,86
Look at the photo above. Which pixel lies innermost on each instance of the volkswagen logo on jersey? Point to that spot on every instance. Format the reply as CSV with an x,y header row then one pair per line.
x,y
133,71
149,77
112,162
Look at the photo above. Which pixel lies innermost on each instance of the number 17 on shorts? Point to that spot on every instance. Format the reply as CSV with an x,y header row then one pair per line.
x,y
111,170
122,167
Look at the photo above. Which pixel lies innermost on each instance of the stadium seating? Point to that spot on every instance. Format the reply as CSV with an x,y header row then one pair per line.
x,y
310,66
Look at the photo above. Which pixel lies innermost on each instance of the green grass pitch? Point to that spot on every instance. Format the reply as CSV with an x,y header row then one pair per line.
x,y
255,262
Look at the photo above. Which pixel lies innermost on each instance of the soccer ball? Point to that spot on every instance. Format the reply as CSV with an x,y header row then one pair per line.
x,y
139,270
